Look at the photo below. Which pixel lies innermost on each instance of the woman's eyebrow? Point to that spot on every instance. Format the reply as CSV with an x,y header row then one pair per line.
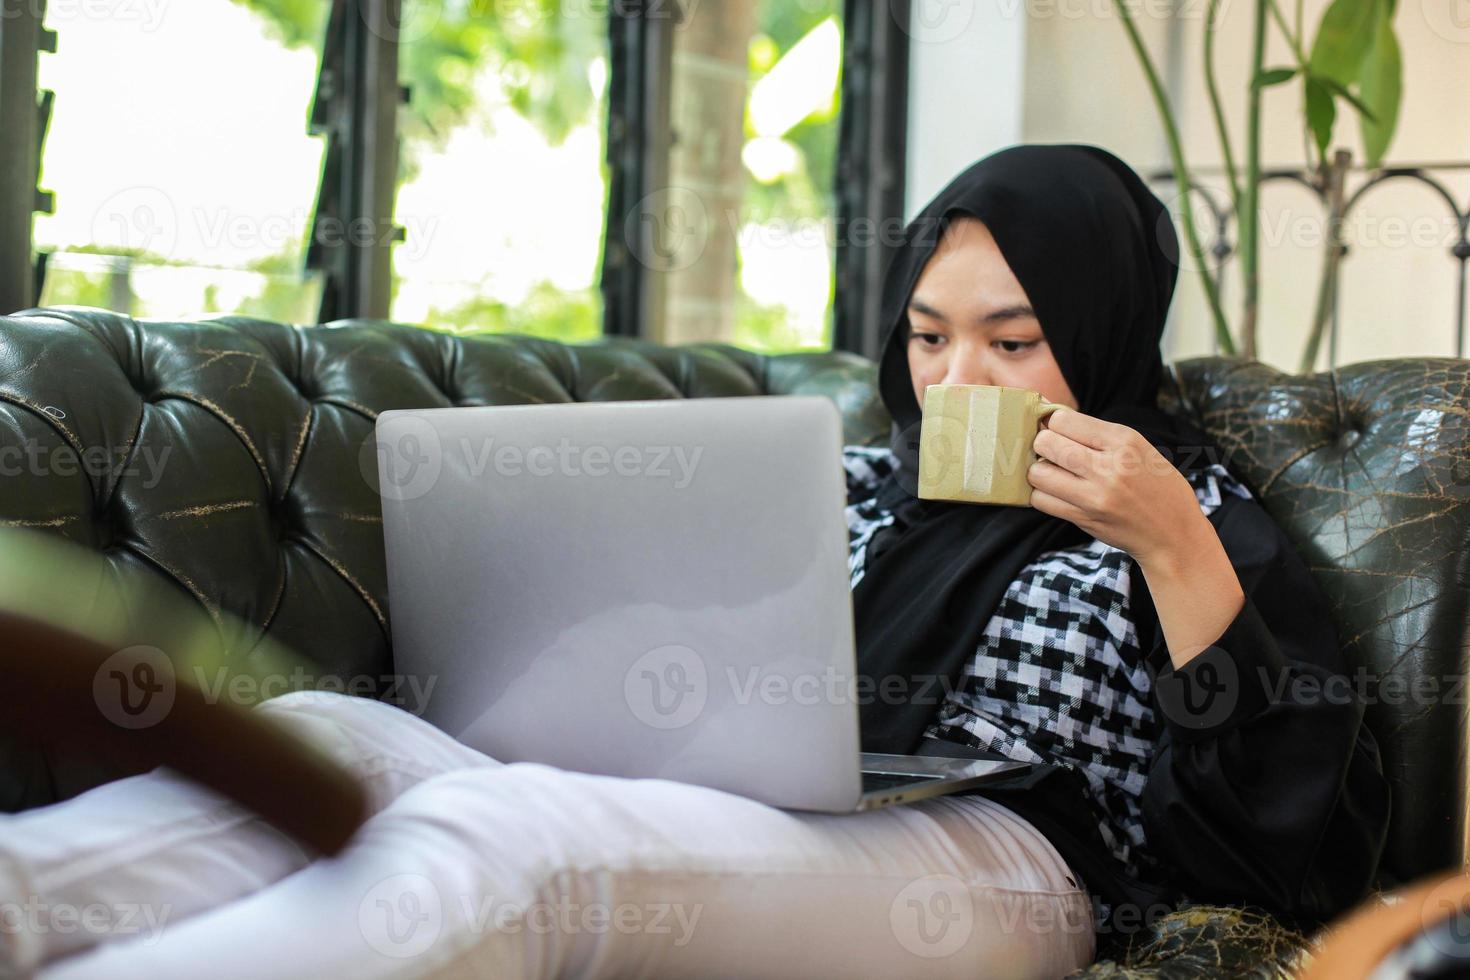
x,y
919,306
1016,311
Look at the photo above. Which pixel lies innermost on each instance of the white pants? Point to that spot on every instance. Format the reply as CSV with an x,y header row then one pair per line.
x,y
473,868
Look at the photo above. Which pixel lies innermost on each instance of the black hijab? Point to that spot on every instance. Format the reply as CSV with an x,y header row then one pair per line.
x,y
1097,255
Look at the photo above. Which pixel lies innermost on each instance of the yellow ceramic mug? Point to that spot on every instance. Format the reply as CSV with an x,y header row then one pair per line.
x,y
975,443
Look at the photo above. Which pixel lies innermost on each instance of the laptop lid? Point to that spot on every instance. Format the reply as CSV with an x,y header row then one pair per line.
x,y
639,588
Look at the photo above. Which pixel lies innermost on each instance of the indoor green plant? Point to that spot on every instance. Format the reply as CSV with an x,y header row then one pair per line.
x,y
1354,58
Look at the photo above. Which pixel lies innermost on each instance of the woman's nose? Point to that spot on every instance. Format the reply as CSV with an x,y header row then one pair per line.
x,y
967,371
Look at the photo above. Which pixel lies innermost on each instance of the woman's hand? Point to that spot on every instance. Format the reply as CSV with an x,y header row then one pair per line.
x,y
1111,482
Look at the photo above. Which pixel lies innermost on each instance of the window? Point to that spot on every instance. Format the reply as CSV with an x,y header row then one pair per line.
x,y
754,119
503,182
184,178
175,199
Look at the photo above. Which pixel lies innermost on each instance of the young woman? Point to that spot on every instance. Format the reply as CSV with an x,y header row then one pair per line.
x,y
1143,628
1137,632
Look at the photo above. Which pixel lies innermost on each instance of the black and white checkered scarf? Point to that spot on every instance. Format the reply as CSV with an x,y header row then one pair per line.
x,y
1057,675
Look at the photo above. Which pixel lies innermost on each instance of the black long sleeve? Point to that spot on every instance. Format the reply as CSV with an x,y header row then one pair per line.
x,y
1266,786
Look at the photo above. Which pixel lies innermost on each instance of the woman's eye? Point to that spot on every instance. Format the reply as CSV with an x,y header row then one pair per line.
x,y
1016,346
927,339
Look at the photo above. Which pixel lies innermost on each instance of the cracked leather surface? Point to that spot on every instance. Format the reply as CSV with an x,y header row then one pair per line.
x,y
223,456
1367,469
1203,941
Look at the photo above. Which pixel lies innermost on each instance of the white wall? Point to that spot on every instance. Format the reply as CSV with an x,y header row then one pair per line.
x,y
967,78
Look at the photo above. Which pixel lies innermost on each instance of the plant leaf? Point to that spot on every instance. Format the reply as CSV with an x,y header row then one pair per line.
x,y
1381,84
1321,113
1343,38
1274,76
1342,90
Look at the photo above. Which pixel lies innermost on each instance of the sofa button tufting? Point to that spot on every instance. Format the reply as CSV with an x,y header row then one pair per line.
x,y
275,513
104,531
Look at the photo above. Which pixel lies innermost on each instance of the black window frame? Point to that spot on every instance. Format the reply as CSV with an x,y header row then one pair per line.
x,y
25,114
355,107
872,166
870,173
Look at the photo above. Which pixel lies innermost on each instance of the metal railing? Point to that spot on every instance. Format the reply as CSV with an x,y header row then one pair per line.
x,y
1221,245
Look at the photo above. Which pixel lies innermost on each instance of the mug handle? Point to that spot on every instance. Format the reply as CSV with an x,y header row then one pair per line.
x,y
1045,408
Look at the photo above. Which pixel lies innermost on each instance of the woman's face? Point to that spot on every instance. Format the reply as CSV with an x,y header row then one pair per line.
x,y
972,323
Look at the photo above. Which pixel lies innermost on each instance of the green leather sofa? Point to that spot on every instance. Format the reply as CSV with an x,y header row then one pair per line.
x,y
223,456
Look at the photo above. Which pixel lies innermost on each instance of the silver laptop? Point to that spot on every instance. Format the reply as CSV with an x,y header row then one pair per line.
x,y
643,589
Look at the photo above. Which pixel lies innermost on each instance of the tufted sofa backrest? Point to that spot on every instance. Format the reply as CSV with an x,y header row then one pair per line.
x,y
1367,469
225,456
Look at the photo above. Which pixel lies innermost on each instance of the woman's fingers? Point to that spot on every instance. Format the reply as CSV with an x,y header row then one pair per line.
x,y
1056,506
1057,481
1086,429
1066,452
